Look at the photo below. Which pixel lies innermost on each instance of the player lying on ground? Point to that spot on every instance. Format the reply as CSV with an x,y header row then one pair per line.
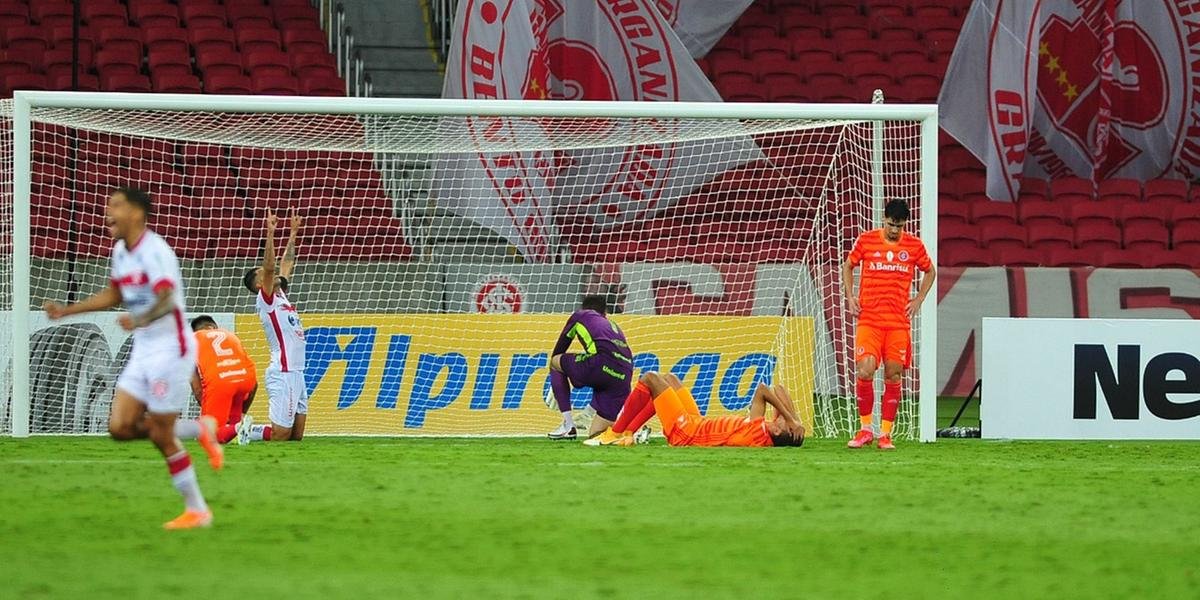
x,y
889,259
605,365
225,380
683,424
153,387
287,397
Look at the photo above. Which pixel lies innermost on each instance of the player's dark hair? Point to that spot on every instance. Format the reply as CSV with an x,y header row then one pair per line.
x,y
896,210
596,303
137,197
248,280
283,283
203,320
785,438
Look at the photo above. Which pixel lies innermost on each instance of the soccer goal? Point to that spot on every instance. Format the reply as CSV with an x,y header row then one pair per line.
x,y
443,243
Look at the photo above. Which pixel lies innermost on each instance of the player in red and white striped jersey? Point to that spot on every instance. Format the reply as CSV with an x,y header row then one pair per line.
x,y
155,384
287,397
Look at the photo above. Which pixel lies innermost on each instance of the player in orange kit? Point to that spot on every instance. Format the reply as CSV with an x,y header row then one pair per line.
x,y
225,380
684,426
889,259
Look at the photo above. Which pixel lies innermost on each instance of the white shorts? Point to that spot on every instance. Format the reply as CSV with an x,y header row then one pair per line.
x,y
286,396
162,381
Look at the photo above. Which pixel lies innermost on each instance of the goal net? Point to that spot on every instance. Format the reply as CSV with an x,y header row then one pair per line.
x,y
443,244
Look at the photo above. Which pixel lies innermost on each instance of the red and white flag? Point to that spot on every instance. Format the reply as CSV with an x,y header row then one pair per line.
x,y
701,23
1076,88
554,49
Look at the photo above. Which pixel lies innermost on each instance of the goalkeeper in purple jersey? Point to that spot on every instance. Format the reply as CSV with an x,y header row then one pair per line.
x,y
605,365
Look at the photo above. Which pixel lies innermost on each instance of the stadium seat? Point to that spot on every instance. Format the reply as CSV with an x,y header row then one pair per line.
x,y
277,85
987,213
204,16
902,52
1120,190
1185,213
808,51
1174,259
743,92
172,39
961,233
955,210
885,8
62,83
966,257
1185,237
305,40
120,38
13,14
1048,236
313,64
1146,236
252,40
778,72
734,70
1097,236
323,86
155,15
763,48
211,39
1011,256
219,62
802,26
119,60
175,83
24,38
1166,190
1034,190
62,38
296,17
169,62
267,63
227,83
919,73
1145,212
21,81
840,8
789,91
854,51
249,15
826,75
125,82
1090,211
1072,189
1040,211
871,74
1125,259
52,14
1002,235
1070,257
102,15
59,62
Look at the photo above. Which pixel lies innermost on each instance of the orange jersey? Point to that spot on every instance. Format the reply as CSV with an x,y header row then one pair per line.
x,y
724,431
887,275
221,359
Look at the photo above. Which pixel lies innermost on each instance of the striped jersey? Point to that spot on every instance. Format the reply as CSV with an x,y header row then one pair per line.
x,y
885,284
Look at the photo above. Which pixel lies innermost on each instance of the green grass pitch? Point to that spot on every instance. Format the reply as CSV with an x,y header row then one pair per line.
x,y
457,518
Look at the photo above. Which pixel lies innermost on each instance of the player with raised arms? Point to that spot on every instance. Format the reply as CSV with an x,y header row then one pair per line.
x,y
889,258
683,425
225,380
153,387
605,365
287,396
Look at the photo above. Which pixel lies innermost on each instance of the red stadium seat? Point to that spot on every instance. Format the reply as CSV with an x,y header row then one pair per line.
x,y
121,38
219,62
1166,190
1070,257
871,74
955,210
208,39
169,62
1145,212
1034,189
227,83
252,40
172,39
1185,237
285,85
932,9
826,75
1097,236
300,16
1071,189
1146,236
52,14
323,86
885,8
779,72
902,52
1174,259
1084,212
963,233
790,91
305,41
855,51
313,65
21,81
987,213
803,26
204,16
894,29
1034,212
100,15
256,15
1121,190
155,15
1011,256
1125,259
24,38
1007,235
763,48
62,83
13,14
266,63
743,92
807,51
123,82
840,8
174,83
120,60
916,73
966,257
1185,213
1050,235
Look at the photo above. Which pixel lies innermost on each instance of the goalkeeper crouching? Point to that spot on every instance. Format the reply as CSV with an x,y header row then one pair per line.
x,y
683,425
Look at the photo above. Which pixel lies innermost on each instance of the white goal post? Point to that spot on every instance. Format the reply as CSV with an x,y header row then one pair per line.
x,y
415,258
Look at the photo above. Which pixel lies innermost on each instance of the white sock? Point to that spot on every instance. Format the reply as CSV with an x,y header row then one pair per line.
x,y
187,430
568,419
256,433
185,481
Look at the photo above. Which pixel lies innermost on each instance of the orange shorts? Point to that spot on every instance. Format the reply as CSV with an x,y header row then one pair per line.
x,y
886,345
680,420
220,400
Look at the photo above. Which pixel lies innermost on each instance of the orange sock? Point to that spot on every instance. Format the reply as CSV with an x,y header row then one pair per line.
x,y
637,403
689,403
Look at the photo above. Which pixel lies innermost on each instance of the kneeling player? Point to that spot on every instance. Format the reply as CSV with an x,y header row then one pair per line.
x,y
684,426
605,365
225,380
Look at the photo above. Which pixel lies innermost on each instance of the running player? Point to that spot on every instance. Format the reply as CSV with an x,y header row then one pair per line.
x,y
153,387
225,380
889,259
684,426
287,397
605,365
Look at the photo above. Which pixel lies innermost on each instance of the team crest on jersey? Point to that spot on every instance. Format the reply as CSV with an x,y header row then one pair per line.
x,y
159,388
903,255
890,256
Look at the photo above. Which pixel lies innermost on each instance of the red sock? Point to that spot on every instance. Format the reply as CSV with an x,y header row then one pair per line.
x,y
891,401
865,390
635,404
226,433
267,433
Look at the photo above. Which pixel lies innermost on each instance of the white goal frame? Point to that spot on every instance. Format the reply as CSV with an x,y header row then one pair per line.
x,y
25,101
